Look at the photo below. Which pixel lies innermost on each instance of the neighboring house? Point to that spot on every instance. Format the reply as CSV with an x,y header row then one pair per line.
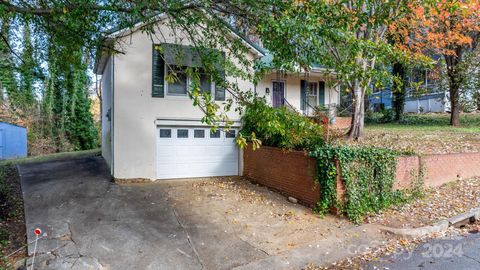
x,y
434,102
151,130
380,100
431,102
13,141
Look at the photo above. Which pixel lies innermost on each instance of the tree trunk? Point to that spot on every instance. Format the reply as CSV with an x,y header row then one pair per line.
x,y
455,79
357,125
398,90
455,104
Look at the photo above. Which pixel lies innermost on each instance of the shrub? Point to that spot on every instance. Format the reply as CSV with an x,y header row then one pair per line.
x,y
467,120
383,116
280,127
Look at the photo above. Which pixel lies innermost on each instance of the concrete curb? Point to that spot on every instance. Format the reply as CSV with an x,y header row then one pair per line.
x,y
458,220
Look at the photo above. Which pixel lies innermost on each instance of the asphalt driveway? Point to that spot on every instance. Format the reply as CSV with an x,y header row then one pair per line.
x,y
89,222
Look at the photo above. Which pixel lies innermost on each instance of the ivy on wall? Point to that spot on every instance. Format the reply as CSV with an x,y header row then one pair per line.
x,y
367,173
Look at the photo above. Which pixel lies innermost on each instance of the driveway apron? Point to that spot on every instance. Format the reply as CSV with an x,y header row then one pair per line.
x,y
88,222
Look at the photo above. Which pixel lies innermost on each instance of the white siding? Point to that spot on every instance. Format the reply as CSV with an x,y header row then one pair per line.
x,y
107,92
136,110
292,88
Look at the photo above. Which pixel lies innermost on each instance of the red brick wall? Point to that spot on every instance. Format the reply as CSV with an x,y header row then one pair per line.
x,y
407,168
439,169
342,122
290,172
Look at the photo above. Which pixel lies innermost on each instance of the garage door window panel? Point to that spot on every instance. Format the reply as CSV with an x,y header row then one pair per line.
x,y
215,134
230,134
165,133
182,133
199,133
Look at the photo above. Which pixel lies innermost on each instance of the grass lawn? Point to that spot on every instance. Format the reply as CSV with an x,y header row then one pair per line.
x,y
425,134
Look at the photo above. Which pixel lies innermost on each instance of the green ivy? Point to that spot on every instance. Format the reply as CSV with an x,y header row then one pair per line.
x,y
367,173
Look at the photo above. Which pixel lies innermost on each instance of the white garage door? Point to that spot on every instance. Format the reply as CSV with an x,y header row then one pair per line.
x,y
184,152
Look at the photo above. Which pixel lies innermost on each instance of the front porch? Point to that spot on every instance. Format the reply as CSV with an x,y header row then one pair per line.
x,y
305,93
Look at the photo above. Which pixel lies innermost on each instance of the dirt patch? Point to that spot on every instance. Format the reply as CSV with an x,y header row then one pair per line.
x,y
257,215
12,219
438,203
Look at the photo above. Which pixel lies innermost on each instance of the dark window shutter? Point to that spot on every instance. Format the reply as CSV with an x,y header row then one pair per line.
x,y
321,93
303,94
158,73
220,90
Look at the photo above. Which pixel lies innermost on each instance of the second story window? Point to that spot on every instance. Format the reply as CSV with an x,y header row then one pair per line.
x,y
178,69
179,81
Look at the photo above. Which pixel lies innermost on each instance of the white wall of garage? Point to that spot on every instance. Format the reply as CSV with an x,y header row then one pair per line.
x,y
136,112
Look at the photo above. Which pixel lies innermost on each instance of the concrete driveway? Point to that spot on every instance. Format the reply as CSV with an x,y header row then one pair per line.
x,y
89,222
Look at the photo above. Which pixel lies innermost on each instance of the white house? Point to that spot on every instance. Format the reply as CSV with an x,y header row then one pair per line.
x,y
151,130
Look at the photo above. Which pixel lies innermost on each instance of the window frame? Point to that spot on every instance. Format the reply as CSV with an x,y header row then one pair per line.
x,y
189,83
308,92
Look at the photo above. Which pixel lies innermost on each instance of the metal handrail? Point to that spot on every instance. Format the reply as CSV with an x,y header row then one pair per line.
x,y
285,102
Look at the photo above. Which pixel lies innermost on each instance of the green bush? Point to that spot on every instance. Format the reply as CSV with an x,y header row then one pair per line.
x,y
467,120
280,127
383,116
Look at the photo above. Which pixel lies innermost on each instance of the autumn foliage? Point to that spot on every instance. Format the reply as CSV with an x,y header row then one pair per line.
x,y
448,28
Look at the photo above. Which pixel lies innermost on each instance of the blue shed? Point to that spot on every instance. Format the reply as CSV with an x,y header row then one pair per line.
x,y
13,141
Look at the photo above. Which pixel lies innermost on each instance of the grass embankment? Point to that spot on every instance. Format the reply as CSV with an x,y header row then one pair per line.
x,y
426,134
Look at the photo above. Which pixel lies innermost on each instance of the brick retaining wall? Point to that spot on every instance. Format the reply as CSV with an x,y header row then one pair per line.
x,y
439,169
292,172
342,122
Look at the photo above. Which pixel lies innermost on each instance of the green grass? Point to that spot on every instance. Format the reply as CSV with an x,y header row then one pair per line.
x,y
52,157
431,123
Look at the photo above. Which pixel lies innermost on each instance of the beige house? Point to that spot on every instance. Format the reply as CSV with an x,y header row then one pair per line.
x,y
151,130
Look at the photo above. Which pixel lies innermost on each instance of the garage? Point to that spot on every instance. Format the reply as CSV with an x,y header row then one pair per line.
x,y
195,151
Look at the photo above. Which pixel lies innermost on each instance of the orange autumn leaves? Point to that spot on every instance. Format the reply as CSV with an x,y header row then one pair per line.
x,y
438,27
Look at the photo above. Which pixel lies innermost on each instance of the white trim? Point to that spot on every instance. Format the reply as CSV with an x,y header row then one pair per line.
x,y
190,122
128,31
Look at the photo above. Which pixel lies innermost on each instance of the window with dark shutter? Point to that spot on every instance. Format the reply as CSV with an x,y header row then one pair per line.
x,y
219,90
321,93
303,94
158,72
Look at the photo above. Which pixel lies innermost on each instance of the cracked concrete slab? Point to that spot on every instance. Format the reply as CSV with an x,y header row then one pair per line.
x,y
89,222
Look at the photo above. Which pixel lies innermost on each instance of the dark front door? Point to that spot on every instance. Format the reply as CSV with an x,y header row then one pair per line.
x,y
278,93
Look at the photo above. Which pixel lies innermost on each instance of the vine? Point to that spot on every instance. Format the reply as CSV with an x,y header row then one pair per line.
x,y
367,173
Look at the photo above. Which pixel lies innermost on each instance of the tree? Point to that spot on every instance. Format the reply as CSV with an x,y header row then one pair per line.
x,y
80,127
26,72
69,24
449,28
8,83
398,90
349,38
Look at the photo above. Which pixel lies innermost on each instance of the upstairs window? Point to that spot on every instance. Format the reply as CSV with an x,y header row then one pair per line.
x,y
169,71
179,82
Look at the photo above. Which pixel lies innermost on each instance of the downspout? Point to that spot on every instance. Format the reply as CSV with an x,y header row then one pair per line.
x,y
113,117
